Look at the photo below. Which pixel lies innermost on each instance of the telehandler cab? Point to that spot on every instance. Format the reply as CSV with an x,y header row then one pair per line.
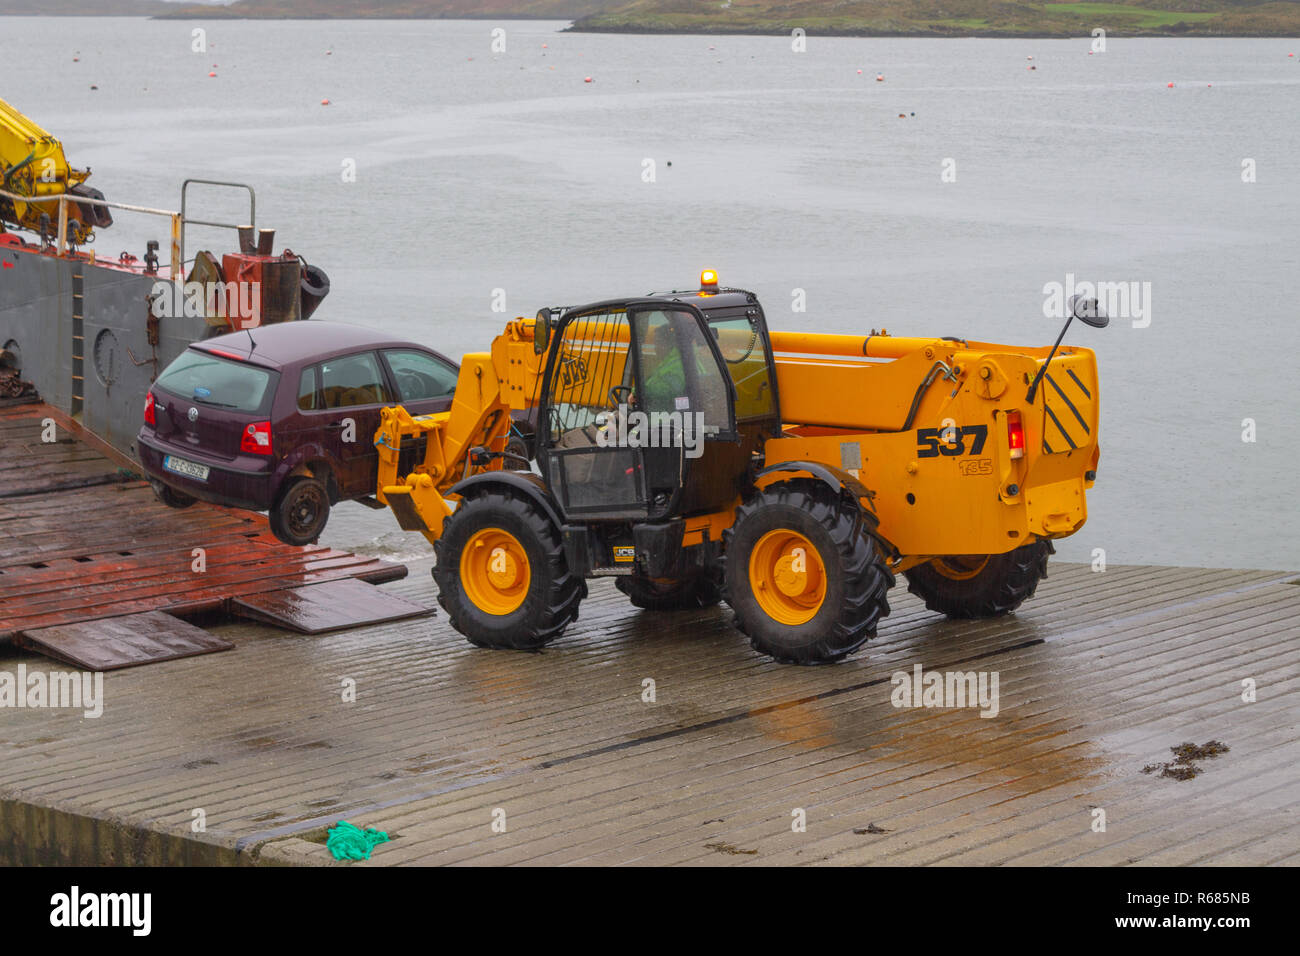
x,y
698,457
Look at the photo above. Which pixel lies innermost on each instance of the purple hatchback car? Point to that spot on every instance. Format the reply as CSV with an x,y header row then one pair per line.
x,y
283,419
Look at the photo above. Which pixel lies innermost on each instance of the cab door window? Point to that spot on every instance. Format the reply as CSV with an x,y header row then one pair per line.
x,y
591,467
679,375
741,342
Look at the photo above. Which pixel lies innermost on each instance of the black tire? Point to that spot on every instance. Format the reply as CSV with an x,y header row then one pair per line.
x,y
170,496
857,580
301,511
662,594
997,585
553,593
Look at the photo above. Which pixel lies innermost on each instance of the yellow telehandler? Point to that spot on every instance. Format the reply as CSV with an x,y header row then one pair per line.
x,y
692,454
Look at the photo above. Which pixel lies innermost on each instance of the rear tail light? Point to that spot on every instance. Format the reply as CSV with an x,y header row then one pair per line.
x,y
150,418
1015,435
256,439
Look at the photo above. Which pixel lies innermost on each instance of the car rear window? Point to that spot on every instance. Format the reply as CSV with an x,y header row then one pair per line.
x,y
204,378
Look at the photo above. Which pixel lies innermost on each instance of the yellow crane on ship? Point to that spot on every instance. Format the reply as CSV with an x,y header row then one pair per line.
x,y
33,167
694,456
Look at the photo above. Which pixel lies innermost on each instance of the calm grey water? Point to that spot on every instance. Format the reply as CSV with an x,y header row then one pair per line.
x,y
478,171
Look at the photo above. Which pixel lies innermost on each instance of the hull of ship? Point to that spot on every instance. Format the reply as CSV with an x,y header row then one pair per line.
x,y
80,333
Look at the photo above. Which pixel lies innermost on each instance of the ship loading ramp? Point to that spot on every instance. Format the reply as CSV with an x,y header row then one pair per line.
x,y
95,572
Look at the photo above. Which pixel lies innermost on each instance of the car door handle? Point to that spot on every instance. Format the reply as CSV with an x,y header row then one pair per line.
x,y
333,426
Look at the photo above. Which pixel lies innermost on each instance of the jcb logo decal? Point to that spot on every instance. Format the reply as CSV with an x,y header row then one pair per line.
x,y
573,371
950,441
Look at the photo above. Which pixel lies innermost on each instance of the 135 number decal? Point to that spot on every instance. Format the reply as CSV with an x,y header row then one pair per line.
x,y
950,440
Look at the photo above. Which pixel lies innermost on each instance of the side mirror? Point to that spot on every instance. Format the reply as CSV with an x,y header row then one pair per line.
x,y
1089,311
1085,310
541,331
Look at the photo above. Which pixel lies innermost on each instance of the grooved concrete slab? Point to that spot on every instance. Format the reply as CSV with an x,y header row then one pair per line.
x,y
406,727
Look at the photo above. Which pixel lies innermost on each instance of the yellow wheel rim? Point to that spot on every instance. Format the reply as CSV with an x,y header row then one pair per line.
x,y
787,577
494,571
961,567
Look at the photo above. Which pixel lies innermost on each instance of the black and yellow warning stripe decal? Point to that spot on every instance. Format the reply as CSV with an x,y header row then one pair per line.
x,y
1067,402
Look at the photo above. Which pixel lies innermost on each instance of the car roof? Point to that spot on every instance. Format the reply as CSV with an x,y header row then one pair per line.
x,y
306,341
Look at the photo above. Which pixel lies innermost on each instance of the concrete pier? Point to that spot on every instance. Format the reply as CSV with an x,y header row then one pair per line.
x,y
246,757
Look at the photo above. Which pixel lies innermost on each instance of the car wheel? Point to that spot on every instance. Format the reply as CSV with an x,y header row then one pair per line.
x,y
299,514
170,496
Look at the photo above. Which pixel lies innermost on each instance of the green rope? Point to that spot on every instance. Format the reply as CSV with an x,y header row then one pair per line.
x,y
348,842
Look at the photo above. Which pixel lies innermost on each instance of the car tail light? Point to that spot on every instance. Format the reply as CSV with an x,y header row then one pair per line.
x,y
256,439
1015,435
150,418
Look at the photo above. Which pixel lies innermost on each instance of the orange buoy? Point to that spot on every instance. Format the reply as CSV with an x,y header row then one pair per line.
x,y
212,74
324,102
1029,58
77,59
880,77
859,72
1171,86
586,79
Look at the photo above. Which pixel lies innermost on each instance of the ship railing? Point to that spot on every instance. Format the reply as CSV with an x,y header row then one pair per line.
x,y
178,220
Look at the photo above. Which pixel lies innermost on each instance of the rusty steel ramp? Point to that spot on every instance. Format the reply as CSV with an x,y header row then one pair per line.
x,y
83,541
318,608
116,642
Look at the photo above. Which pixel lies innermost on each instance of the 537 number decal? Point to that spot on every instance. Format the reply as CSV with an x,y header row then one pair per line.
x,y
951,441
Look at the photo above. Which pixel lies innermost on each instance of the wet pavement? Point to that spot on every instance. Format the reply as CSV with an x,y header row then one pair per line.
x,y
486,757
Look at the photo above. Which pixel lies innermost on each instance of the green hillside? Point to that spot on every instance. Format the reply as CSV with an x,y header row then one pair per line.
x,y
955,18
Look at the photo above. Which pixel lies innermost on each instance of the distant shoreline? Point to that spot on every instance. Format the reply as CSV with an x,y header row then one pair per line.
x,y
712,30
934,34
